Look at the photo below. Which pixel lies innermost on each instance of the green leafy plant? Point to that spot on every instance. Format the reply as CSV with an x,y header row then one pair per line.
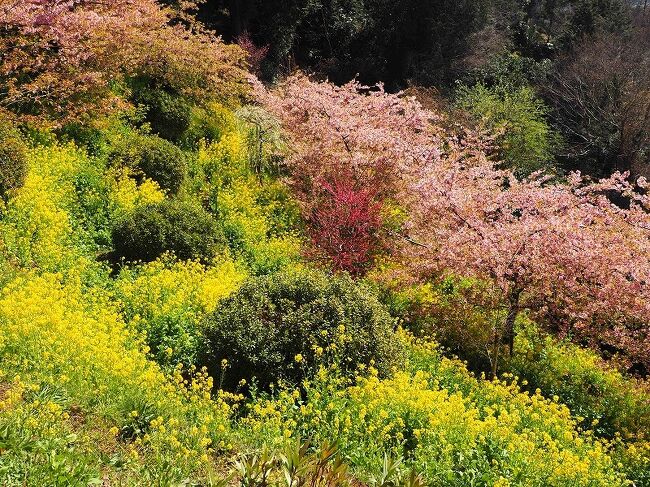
x,y
518,118
393,474
153,157
322,468
282,326
298,465
177,226
13,158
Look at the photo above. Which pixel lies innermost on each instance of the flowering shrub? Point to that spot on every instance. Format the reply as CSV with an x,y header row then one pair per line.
x,y
39,226
258,216
602,399
127,194
634,458
255,55
350,153
361,132
61,60
281,326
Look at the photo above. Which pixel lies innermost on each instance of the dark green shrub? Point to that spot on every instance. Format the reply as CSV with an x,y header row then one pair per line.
x,y
175,226
13,158
86,136
168,115
282,326
155,158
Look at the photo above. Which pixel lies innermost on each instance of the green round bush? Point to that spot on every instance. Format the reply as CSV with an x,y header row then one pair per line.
x,y
155,158
284,325
13,158
168,115
175,226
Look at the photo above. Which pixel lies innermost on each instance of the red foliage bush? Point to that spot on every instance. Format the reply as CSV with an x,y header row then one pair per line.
x,y
344,225
255,55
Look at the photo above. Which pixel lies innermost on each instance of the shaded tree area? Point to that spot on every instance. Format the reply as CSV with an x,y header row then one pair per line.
x,y
542,28
407,40
378,40
600,95
589,62
584,62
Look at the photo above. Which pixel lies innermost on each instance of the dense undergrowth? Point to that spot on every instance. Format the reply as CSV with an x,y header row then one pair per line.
x,y
187,299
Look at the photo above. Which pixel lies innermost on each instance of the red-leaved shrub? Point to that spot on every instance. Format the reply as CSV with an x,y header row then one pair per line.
x,y
344,225
255,54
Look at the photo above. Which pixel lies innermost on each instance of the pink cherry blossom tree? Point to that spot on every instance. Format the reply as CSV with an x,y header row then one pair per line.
x,y
344,143
364,132
562,251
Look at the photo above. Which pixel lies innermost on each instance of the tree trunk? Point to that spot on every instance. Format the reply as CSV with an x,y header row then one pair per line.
x,y
508,336
513,311
496,345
